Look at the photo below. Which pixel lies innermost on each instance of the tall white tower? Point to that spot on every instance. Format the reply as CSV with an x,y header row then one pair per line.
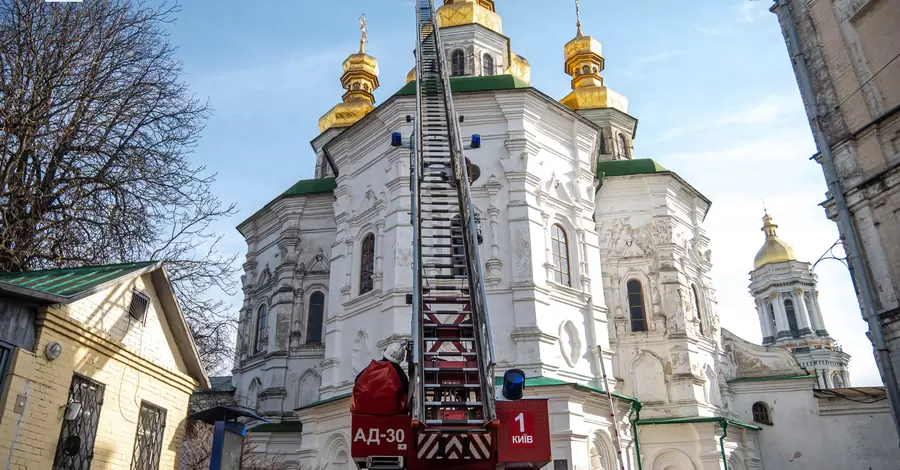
x,y
788,307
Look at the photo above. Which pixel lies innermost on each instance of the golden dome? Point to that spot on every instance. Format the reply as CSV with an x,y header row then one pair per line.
x,y
411,76
774,250
463,12
584,62
519,68
360,79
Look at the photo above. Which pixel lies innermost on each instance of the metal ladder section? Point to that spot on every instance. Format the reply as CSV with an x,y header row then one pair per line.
x,y
452,349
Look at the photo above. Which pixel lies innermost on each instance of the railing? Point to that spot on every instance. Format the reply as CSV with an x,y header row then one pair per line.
x,y
467,217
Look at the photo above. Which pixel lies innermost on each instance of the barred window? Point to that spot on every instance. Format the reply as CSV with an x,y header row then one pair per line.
x,y
761,413
367,264
561,256
636,305
149,437
261,335
315,317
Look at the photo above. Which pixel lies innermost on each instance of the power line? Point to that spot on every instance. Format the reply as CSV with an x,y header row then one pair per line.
x,y
867,81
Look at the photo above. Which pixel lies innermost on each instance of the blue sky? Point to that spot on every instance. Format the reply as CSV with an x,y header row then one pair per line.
x,y
710,82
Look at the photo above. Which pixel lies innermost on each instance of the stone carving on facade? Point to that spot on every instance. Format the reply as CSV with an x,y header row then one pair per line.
x,y
361,353
570,343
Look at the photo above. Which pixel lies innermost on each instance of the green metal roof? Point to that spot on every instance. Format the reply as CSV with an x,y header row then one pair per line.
x,y
697,419
473,84
764,379
549,382
69,282
315,186
327,400
640,166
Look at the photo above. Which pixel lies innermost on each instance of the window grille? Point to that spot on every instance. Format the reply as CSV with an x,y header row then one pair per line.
x,y
75,448
561,256
315,318
140,303
636,306
148,440
367,264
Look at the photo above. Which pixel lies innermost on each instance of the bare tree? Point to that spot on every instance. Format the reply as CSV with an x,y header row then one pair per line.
x,y
95,128
197,445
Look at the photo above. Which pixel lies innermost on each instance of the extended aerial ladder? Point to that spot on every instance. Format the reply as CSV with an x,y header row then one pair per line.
x,y
455,420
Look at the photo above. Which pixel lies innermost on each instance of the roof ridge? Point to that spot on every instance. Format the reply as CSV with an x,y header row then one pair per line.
x,y
99,266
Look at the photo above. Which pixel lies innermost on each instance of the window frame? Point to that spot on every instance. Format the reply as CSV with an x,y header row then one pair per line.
x,y
488,67
461,54
791,313
764,416
155,440
697,305
621,145
631,307
367,264
557,246
309,318
261,329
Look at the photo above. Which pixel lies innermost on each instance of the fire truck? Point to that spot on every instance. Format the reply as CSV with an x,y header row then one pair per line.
x,y
451,415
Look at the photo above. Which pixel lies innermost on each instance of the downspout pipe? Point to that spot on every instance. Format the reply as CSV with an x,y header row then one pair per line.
x,y
859,271
724,424
636,411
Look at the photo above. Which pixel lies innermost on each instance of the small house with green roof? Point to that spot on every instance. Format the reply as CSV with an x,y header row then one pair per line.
x,y
97,366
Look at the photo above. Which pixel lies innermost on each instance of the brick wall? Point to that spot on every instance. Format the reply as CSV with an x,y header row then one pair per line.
x,y
130,367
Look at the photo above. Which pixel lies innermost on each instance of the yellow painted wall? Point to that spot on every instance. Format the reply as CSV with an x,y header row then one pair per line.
x,y
133,361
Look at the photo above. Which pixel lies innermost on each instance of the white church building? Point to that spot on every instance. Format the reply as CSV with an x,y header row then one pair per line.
x,y
591,256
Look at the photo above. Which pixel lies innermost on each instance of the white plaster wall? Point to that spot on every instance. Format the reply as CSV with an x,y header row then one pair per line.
x,y
859,436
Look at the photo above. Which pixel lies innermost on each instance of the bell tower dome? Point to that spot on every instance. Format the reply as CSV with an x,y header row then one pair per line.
x,y
787,302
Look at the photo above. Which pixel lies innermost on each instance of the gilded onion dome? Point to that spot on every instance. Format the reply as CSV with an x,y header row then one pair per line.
x,y
774,250
411,76
584,62
360,79
462,12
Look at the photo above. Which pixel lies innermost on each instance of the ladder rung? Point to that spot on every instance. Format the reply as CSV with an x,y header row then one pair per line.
x,y
451,386
453,403
461,369
452,422
449,354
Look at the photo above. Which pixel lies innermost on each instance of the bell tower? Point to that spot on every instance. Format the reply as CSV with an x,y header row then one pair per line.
x,y
787,303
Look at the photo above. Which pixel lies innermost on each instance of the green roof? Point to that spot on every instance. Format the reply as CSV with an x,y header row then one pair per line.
x,y
549,382
697,419
327,400
69,282
764,379
473,84
641,166
315,186
300,188
288,426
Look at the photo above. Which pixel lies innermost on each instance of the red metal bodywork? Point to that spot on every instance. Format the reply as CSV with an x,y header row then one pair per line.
x,y
522,440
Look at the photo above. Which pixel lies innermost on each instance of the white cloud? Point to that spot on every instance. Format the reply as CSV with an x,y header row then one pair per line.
x,y
751,11
769,111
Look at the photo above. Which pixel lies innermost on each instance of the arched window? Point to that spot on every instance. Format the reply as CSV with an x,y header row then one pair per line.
x,y
837,380
367,264
253,394
622,146
315,317
261,333
791,317
696,295
772,319
560,256
356,86
636,305
457,63
761,413
586,70
487,65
